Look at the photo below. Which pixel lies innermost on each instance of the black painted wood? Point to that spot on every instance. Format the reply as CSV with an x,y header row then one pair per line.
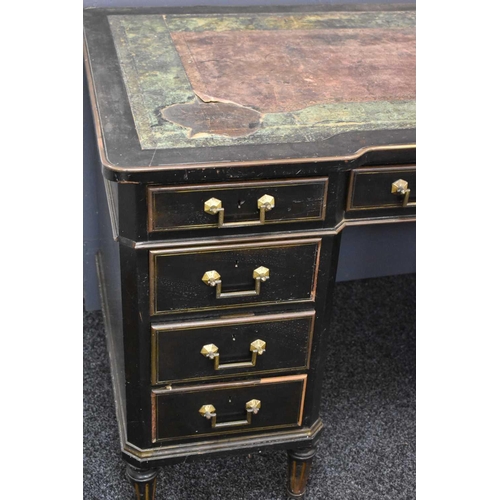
x,y
162,313
183,207
287,347
137,345
178,411
292,267
143,482
299,468
371,189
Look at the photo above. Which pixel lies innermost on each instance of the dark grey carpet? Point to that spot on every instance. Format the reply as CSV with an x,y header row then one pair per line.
x,y
368,446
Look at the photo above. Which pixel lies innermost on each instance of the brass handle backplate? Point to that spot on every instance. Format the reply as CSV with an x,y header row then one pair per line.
x,y
214,206
211,351
400,188
213,278
252,407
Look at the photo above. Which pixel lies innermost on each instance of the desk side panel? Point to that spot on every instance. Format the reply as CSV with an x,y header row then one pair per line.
x,y
108,260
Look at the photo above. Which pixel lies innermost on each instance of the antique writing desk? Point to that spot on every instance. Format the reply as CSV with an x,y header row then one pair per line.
x,y
235,145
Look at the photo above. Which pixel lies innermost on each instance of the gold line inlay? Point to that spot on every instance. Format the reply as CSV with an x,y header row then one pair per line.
x,y
239,320
355,173
228,386
153,191
154,254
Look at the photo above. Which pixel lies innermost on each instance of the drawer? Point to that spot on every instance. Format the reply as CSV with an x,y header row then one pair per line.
x,y
229,276
382,187
221,409
236,204
227,347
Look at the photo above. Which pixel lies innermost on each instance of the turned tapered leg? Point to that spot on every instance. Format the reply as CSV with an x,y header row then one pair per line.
x,y
143,481
299,466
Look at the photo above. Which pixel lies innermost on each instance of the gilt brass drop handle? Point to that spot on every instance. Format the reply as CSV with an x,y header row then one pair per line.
x,y
252,407
213,278
211,351
400,188
214,206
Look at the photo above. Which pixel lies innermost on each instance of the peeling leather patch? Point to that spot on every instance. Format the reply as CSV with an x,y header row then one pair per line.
x,y
214,118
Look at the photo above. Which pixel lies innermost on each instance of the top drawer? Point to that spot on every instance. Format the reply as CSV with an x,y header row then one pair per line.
x,y
236,204
382,187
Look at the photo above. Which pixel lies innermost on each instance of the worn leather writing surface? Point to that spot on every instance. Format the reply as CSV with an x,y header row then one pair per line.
x,y
205,88
223,80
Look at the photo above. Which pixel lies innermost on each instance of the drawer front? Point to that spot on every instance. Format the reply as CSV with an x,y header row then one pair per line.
x,y
221,409
229,276
228,347
190,207
373,188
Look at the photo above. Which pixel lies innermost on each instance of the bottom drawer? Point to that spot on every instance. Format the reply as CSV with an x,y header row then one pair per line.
x,y
216,409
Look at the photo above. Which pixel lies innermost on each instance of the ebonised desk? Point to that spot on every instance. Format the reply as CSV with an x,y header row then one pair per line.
x,y
235,145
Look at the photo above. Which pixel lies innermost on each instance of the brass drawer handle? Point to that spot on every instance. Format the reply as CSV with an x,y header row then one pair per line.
x,y
213,278
400,188
211,351
265,203
252,407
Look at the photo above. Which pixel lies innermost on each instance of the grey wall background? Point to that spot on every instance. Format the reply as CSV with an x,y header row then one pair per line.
x,y
366,252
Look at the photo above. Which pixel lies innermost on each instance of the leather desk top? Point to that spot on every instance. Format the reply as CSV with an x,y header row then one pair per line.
x,y
172,89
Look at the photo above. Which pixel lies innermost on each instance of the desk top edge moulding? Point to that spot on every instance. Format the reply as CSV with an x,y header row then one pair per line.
x,y
235,145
